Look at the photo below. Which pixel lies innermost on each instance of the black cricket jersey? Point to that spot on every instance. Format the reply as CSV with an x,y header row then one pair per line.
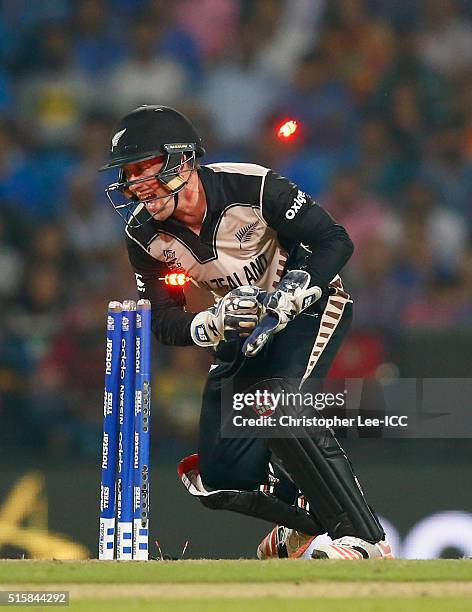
x,y
257,225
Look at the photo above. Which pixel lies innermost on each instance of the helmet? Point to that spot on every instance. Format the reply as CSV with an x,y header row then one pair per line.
x,y
145,133
149,131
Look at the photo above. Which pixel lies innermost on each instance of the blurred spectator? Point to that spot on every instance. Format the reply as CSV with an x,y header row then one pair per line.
x,y
360,46
382,167
36,315
216,149
406,121
362,214
464,100
214,26
11,265
127,8
43,291
25,14
94,141
295,29
322,104
376,284
21,27
448,170
92,150
49,246
66,405
6,97
239,83
15,376
445,38
176,40
92,228
406,69
11,38
400,14
76,349
21,185
443,303
56,94
442,232
179,387
146,77
97,47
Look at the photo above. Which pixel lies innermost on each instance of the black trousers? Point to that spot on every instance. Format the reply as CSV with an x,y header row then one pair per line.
x,y
243,464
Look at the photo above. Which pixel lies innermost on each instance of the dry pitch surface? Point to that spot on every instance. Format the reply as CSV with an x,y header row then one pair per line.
x,y
235,585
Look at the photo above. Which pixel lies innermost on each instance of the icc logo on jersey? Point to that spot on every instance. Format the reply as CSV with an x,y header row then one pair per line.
x,y
140,283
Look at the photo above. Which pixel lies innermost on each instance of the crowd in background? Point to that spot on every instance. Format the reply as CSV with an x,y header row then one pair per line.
x,y
382,93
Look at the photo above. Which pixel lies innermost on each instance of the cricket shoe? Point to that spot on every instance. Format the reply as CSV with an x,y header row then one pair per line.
x,y
283,542
353,549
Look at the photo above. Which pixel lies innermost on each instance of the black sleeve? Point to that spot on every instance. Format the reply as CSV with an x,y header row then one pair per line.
x,y
170,322
297,219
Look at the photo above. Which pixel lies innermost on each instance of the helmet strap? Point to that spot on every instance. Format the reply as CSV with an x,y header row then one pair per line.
x,y
176,202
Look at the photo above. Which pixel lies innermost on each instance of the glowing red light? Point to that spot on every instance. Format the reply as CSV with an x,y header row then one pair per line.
x,y
287,129
176,279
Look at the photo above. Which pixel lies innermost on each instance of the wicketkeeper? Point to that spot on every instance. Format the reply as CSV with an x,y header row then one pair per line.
x,y
272,257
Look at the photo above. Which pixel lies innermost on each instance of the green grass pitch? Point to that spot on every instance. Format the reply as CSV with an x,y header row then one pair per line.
x,y
367,586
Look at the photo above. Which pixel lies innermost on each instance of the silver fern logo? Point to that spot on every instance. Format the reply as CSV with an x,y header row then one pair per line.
x,y
116,138
246,233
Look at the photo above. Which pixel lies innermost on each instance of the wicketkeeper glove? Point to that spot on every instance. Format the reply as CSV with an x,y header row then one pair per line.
x,y
292,296
234,315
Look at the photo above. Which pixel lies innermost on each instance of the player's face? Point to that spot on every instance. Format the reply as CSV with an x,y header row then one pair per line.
x,y
150,191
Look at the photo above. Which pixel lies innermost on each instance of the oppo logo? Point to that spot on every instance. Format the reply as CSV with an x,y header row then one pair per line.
x,y
123,358
298,202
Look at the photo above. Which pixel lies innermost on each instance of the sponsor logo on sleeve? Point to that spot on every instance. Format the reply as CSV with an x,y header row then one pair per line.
x,y
297,203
